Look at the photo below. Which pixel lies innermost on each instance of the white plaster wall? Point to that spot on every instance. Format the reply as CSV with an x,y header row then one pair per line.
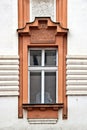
x,y
77,120
77,116
8,26
77,24
8,111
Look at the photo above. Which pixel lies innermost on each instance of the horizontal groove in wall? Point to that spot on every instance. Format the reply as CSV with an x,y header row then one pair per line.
x,y
9,78
78,57
76,83
79,62
9,88
9,83
81,67
76,93
80,87
9,72
76,75
9,75
9,62
10,67
9,93
9,57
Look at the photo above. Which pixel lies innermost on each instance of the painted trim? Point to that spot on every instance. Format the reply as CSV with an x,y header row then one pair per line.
x,y
23,18
25,44
24,12
61,12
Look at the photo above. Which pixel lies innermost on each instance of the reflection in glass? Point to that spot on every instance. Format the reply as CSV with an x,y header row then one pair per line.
x,y
50,57
50,87
35,87
35,57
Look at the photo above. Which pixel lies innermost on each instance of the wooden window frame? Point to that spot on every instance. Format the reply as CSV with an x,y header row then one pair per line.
x,y
25,43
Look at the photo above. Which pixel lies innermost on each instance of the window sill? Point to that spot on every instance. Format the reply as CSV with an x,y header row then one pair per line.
x,y
42,107
42,111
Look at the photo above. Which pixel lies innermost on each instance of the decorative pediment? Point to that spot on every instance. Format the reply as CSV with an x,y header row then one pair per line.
x,y
42,30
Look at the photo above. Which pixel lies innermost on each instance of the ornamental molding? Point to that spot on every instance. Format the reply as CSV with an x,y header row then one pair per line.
x,y
43,30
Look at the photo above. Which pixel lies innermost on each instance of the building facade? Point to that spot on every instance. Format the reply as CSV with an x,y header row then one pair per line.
x,y
43,65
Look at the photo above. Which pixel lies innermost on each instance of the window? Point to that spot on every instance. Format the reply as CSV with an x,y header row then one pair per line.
x,y
42,52
42,69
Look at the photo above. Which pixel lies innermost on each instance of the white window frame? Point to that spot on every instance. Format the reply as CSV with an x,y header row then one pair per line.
x,y
42,69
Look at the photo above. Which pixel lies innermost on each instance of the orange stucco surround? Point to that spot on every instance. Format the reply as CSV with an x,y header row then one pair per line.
x,y
56,37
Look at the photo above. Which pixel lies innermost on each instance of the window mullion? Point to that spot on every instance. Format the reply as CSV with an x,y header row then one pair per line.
x,y
43,57
42,88
42,84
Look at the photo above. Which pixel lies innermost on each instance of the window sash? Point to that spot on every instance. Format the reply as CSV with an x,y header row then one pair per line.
x,y
43,56
43,69
43,85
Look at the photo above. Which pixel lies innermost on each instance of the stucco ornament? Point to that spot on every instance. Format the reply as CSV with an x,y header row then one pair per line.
x,y
43,8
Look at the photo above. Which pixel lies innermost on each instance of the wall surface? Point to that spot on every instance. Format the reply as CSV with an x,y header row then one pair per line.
x,y
8,26
9,64
76,61
77,23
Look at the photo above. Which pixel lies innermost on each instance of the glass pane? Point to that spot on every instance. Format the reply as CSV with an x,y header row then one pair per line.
x,y
50,87
35,87
50,57
35,57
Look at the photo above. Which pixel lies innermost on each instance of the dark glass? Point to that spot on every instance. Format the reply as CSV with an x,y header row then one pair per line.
x,y
50,87
50,58
35,87
35,57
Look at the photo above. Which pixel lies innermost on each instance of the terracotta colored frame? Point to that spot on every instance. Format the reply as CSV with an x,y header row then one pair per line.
x,y
24,43
24,12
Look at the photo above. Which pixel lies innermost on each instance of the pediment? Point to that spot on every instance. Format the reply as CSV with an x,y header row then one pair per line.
x,y
43,30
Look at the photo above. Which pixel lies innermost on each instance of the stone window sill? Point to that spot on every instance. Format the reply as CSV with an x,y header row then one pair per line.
x,y
42,107
42,111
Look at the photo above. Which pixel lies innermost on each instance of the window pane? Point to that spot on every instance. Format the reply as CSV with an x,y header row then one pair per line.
x,y
35,57
50,87
50,57
35,87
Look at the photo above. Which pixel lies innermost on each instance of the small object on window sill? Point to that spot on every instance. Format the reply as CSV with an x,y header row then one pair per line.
x,y
43,107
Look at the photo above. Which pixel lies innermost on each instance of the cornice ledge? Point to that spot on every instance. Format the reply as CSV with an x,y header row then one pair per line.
x,y
45,21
